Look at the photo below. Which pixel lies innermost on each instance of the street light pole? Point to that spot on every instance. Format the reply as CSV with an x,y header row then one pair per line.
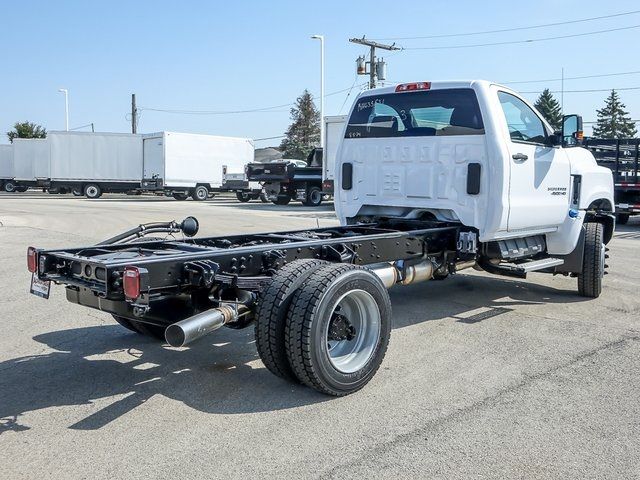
x,y
66,107
321,38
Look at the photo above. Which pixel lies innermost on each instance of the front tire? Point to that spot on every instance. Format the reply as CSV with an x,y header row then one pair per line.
x,y
593,263
10,187
282,200
243,197
200,193
92,191
314,197
338,329
622,218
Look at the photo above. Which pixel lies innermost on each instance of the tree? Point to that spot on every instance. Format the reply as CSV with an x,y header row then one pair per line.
x,y
550,109
613,120
26,130
304,132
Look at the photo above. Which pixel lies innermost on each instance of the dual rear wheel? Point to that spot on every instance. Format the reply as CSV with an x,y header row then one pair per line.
x,y
324,325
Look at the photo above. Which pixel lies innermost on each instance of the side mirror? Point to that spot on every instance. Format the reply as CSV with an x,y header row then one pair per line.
x,y
572,133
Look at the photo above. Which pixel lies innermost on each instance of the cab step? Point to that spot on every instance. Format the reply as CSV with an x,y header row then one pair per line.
x,y
521,269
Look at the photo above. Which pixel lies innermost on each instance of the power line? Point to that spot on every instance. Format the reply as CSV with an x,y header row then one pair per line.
x,y
574,78
589,90
268,138
502,30
532,40
230,112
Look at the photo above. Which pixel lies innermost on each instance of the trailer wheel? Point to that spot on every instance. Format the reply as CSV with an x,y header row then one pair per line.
x,y
271,317
92,191
179,195
338,329
314,197
593,264
282,200
243,197
10,187
145,329
622,218
200,193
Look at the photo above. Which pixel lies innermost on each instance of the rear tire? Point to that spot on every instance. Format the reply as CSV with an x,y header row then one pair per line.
x,y
92,191
282,200
314,197
338,329
200,193
622,218
271,317
243,197
9,187
593,263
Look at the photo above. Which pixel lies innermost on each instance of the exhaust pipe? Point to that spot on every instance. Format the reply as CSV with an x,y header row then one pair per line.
x,y
190,329
390,274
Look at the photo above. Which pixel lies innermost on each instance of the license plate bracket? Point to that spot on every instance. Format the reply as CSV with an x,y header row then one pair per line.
x,y
40,288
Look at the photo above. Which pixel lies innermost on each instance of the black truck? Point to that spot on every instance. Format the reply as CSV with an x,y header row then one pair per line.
x,y
287,180
621,156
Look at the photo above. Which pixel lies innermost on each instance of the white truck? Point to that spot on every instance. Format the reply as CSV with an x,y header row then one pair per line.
x,y
30,164
91,164
431,179
187,165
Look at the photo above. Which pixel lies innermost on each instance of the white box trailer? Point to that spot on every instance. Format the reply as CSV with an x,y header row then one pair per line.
x,y
7,182
31,161
94,163
186,164
333,132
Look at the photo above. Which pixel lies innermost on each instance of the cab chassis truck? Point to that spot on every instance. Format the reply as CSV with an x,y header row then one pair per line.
x,y
431,178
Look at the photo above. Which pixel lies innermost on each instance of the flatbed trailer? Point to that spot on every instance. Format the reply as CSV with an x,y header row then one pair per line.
x,y
622,156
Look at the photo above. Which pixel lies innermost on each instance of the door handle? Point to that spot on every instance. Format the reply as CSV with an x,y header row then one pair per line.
x,y
519,157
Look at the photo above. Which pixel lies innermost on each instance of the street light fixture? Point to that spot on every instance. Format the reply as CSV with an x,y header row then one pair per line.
x,y
66,107
321,38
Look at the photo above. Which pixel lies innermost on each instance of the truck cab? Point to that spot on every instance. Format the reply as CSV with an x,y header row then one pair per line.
x,y
473,152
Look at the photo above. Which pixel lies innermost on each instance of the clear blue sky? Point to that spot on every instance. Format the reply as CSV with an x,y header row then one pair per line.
x,y
249,54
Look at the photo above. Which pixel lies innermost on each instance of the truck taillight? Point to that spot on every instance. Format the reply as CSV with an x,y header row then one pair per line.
x,y
131,282
32,259
410,87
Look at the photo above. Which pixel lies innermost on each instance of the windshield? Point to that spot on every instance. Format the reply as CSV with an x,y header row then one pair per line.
x,y
416,114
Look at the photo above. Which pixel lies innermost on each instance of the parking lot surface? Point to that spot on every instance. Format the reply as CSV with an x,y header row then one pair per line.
x,y
485,377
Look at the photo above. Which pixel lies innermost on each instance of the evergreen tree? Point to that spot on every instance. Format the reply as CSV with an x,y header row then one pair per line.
x,y
26,130
613,120
550,109
304,132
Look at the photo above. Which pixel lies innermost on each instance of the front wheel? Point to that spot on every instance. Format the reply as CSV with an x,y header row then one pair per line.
x,y
92,191
593,263
243,197
10,187
200,193
338,329
282,200
622,218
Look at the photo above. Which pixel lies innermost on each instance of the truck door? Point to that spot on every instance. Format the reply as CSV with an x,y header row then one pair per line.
x,y
153,155
539,174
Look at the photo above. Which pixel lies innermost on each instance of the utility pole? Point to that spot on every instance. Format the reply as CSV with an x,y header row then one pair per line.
x,y
373,65
134,114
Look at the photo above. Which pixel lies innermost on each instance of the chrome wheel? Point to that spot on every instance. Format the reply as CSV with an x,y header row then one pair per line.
x,y
353,331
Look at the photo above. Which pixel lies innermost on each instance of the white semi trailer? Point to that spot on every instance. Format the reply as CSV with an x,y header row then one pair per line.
x,y
187,165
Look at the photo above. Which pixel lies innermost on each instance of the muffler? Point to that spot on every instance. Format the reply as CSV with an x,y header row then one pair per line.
x,y
390,273
190,329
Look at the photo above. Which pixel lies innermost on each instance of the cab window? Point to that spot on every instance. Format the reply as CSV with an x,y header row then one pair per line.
x,y
416,114
523,123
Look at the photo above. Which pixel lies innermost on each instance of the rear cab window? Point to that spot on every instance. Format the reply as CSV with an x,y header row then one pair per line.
x,y
424,113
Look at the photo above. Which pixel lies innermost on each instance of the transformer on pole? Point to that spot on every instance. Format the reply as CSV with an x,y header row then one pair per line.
x,y
377,69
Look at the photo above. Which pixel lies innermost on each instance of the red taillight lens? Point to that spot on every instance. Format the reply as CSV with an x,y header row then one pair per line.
x,y
410,87
131,282
32,259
